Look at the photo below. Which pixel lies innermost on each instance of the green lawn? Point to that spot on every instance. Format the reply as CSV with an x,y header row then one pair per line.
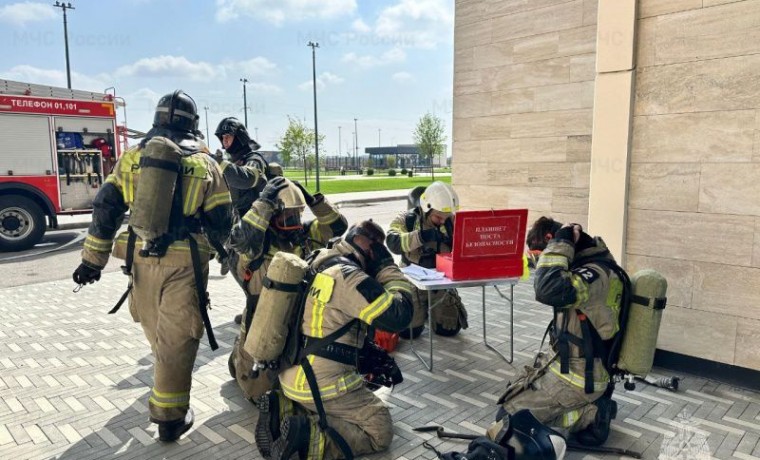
x,y
329,185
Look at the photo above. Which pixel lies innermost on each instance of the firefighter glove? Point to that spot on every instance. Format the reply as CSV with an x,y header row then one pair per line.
x,y
272,189
566,233
84,274
218,156
431,235
380,259
310,200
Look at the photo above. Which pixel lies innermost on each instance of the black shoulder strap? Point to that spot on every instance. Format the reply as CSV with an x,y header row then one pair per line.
x,y
127,269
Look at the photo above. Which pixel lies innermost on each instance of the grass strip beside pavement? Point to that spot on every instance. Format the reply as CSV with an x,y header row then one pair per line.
x,y
367,185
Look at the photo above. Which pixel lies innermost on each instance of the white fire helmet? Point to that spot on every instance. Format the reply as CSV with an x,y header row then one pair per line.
x,y
440,197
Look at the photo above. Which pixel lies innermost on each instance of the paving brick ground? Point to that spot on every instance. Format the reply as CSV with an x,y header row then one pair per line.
x,y
74,384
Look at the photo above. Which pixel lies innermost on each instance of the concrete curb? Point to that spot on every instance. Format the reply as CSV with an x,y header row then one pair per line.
x,y
80,225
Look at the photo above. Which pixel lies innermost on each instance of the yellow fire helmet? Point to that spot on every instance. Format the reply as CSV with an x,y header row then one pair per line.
x,y
440,197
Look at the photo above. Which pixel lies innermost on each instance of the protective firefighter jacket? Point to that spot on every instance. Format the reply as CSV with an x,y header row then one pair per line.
x,y
204,194
338,295
570,285
408,241
253,239
245,178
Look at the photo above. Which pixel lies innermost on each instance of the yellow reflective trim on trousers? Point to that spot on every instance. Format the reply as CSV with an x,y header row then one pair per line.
x,y
316,442
376,308
302,393
581,290
551,261
570,418
160,399
255,220
577,380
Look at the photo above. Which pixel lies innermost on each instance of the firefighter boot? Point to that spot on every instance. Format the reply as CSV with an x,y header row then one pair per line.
x,y
294,439
172,430
597,433
273,408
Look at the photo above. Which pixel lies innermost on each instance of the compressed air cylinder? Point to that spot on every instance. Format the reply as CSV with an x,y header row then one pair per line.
x,y
160,162
640,339
269,329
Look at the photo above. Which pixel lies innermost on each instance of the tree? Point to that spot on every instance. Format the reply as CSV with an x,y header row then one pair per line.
x,y
429,137
298,143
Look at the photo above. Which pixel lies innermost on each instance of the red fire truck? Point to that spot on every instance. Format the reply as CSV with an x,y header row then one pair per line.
x,y
57,146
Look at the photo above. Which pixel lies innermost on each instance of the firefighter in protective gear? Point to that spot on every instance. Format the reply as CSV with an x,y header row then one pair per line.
x,y
274,224
245,172
167,292
569,387
418,235
357,285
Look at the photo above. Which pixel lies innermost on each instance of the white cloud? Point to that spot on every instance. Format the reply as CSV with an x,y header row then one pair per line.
x,y
265,88
169,66
253,67
326,78
402,77
181,67
21,13
54,77
360,26
279,11
417,23
391,56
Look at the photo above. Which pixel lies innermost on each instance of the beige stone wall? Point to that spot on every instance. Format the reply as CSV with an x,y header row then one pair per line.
x,y
694,192
523,96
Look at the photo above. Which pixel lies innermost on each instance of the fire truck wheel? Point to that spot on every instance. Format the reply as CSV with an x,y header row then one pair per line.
x,y
22,223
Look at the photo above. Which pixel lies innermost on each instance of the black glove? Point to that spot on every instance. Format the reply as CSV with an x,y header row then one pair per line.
x,y
310,200
272,189
218,156
565,233
85,274
381,258
431,235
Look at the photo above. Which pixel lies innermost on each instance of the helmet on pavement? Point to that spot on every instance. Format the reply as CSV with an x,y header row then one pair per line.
x,y
440,197
177,112
530,439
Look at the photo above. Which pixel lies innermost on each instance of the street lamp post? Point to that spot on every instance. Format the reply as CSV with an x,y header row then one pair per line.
x,y
245,102
314,47
356,144
339,152
205,108
379,143
64,7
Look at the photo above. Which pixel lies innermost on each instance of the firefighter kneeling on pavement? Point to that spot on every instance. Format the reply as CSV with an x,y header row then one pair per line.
x,y
272,224
356,286
418,235
167,248
569,387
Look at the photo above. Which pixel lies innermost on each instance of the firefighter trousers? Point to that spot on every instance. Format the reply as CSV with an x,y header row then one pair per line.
x,y
164,300
360,417
553,401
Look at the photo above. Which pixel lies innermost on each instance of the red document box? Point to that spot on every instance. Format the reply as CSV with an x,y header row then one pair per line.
x,y
487,245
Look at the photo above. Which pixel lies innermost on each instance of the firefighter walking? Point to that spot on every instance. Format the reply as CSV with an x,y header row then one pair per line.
x,y
166,248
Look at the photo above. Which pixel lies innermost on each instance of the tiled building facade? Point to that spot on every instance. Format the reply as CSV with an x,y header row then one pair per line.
x,y
639,120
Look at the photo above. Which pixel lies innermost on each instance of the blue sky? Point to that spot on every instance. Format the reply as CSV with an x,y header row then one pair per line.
x,y
384,62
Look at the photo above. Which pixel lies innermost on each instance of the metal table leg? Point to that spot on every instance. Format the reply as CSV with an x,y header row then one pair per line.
x,y
509,299
430,333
